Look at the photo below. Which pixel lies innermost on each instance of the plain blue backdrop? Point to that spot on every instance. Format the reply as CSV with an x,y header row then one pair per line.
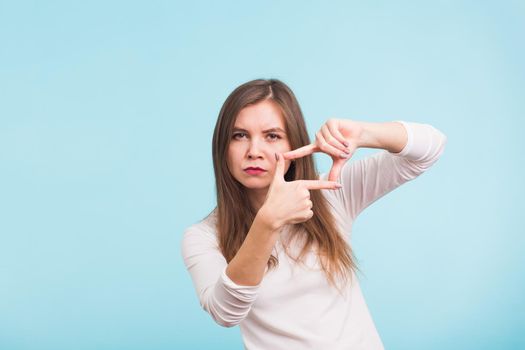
x,y
106,116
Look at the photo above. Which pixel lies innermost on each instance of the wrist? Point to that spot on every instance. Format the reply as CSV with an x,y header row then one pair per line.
x,y
266,220
391,136
366,138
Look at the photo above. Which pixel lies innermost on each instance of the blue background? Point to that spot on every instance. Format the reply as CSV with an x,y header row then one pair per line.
x,y
106,117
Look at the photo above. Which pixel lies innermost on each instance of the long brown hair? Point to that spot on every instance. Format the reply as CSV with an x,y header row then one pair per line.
x,y
235,213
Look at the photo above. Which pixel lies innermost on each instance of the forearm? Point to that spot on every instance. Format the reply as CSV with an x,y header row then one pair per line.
x,y
390,136
248,266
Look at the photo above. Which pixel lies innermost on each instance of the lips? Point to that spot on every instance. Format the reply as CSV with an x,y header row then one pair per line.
x,y
254,171
254,168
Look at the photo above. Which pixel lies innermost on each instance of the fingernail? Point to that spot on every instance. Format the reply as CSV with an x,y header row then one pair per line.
x,y
344,155
346,144
347,150
338,185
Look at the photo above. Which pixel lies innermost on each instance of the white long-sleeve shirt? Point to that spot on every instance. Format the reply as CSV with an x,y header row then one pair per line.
x,y
294,307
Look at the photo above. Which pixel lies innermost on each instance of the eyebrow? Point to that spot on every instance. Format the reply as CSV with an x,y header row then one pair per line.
x,y
264,131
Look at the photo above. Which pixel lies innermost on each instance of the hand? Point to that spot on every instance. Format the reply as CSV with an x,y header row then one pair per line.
x,y
289,202
338,138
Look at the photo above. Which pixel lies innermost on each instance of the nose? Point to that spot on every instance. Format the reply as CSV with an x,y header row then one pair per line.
x,y
254,149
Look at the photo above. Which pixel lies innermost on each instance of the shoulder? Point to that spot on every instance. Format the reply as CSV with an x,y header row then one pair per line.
x,y
203,230
199,244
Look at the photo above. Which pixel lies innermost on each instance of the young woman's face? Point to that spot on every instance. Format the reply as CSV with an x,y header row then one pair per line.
x,y
259,132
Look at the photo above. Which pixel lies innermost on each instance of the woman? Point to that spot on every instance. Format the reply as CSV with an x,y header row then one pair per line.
x,y
274,256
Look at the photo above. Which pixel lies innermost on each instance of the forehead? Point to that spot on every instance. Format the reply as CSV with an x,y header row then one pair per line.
x,y
265,114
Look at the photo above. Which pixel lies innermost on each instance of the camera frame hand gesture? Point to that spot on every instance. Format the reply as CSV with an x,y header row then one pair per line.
x,y
289,201
339,138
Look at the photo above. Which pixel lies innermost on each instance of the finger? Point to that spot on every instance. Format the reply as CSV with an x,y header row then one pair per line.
x,y
352,147
301,152
331,140
320,184
310,204
334,129
336,169
327,148
309,215
279,168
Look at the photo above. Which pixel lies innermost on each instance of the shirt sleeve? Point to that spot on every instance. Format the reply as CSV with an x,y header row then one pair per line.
x,y
368,179
227,302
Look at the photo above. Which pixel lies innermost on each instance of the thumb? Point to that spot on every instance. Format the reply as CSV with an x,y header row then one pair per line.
x,y
278,175
336,169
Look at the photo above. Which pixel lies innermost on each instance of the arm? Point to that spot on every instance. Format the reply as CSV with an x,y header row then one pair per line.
x,y
391,136
227,291
406,155
227,302
339,138
249,264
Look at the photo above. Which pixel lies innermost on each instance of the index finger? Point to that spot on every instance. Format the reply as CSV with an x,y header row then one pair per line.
x,y
301,152
320,184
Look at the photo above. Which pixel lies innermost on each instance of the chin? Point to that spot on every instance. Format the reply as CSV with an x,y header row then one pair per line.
x,y
255,184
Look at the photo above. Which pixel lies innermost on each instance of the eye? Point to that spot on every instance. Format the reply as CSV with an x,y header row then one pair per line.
x,y
273,136
238,135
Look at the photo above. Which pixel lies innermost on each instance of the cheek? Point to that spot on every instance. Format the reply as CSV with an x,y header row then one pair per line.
x,y
234,158
285,147
230,158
